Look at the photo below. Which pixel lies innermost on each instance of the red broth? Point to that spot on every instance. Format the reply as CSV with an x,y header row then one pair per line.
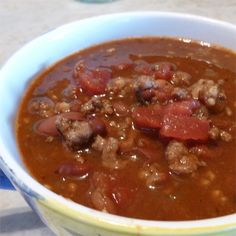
x,y
142,127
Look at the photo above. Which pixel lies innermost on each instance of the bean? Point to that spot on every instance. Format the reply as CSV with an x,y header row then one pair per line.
x,y
47,126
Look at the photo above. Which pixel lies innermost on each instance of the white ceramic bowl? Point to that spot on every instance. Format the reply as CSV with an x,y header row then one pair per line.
x,y
63,216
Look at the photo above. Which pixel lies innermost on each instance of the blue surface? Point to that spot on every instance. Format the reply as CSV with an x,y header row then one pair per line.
x,y
4,182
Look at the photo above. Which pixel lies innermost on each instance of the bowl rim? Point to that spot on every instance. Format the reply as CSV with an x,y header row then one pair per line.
x,y
90,216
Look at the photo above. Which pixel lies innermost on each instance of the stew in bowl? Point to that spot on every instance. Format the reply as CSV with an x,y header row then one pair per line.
x,y
139,127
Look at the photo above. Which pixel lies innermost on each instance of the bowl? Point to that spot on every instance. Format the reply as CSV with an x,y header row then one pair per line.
x,y
63,216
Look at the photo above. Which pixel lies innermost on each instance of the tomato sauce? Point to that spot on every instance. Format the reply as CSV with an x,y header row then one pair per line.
x,y
141,127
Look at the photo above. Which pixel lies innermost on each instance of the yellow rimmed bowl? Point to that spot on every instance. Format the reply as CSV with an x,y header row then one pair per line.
x,y
63,216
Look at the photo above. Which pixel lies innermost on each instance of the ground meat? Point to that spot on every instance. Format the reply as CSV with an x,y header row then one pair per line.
x,y
118,84
96,104
92,105
109,148
210,93
148,89
75,133
180,93
143,82
62,107
107,107
214,133
180,78
225,136
201,113
42,106
152,175
180,160
99,143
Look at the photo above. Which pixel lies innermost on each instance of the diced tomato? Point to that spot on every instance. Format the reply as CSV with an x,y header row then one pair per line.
x,y
148,117
184,128
182,108
73,169
174,119
94,82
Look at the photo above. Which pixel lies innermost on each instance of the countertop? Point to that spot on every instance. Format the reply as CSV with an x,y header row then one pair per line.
x,y
23,20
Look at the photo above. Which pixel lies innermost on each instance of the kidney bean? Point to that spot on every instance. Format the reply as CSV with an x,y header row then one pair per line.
x,y
73,169
98,126
47,126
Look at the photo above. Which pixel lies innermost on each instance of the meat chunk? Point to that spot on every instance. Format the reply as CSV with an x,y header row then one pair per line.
x,y
99,143
42,106
180,78
62,107
109,148
201,113
180,160
143,82
216,133
107,107
96,104
180,94
75,133
225,136
118,84
209,93
152,175
148,89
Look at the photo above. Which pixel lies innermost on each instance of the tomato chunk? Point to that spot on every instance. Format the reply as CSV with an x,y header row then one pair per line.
x,y
184,128
182,108
93,82
148,117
